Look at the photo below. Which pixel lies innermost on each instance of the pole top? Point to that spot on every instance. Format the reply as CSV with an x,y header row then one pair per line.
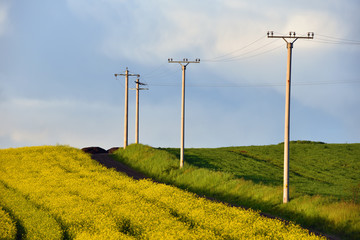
x,y
310,35
185,60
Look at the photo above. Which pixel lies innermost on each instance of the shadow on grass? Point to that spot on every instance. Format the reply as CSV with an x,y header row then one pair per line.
x,y
192,159
203,162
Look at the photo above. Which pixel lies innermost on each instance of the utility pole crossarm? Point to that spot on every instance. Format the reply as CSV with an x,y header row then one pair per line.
x,y
124,74
139,88
310,35
185,60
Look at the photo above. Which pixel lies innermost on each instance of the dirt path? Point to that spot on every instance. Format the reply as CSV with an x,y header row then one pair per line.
x,y
106,160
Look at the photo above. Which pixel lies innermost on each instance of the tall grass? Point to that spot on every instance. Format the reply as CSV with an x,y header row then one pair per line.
x,y
323,213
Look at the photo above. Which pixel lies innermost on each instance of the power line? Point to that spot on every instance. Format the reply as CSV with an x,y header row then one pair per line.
x,y
153,71
335,42
246,85
237,58
245,55
230,57
338,40
326,39
167,73
328,83
229,53
161,73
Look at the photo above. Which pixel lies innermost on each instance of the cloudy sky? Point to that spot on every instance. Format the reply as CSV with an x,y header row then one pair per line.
x,y
58,60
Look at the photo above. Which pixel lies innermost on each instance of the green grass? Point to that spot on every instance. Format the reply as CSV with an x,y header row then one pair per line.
x,y
315,169
324,179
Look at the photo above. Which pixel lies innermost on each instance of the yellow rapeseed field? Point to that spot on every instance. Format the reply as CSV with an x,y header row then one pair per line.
x,y
7,226
60,192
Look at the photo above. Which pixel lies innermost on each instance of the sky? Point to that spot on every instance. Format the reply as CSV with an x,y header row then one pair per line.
x,y
58,60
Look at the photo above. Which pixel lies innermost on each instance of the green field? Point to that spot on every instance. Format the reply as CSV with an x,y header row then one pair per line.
x,y
324,179
61,193
315,168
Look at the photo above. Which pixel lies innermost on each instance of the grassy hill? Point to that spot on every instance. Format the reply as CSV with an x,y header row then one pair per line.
x,y
324,179
315,168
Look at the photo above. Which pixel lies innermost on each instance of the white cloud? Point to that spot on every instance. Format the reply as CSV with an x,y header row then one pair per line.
x,y
148,31
314,21
4,21
143,31
39,122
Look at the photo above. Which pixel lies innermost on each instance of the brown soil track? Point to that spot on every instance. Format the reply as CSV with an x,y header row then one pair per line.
x,y
106,160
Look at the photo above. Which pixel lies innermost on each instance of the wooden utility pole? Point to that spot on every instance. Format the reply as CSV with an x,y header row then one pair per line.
x,y
126,103
137,108
183,64
289,45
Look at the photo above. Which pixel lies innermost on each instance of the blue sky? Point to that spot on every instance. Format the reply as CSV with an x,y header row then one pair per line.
x,y
58,60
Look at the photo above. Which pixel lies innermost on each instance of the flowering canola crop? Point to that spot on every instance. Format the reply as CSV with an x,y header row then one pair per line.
x,y
7,226
60,192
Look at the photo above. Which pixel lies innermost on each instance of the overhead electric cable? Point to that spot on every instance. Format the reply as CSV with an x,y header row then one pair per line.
x,y
336,42
237,50
340,39
162,73
154,70
237,58
244,55
242,85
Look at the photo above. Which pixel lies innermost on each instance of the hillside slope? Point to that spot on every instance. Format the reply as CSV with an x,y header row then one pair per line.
x,y
315,168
